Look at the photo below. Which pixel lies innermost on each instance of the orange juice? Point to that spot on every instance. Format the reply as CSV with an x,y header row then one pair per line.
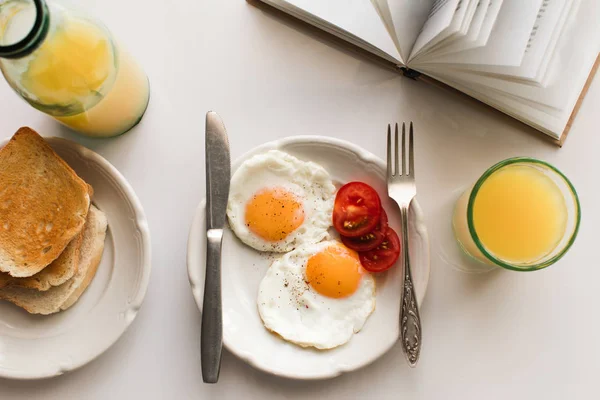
x,y
71,68
121,108
519,214
522,214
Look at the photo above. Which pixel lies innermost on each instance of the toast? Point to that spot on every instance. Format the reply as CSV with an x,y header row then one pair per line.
x,y
62,297
58,272
43,204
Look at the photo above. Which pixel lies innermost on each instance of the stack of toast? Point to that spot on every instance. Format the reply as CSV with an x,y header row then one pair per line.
x,y
51,235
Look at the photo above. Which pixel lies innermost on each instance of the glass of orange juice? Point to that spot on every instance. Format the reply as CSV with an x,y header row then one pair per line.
x,y
522,214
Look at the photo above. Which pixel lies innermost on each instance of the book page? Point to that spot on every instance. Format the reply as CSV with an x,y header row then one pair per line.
x,y
404,19
470,9
550,123
455,31
439,18
550,106
542,73
570,58
549,24
483,6
329,28
509,37
353,18
488,23
468,40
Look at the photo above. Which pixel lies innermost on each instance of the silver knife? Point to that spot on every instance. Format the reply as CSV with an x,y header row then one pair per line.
x,y
218,176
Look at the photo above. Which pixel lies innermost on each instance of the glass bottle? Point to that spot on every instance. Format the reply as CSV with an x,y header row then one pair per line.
x,y
69,66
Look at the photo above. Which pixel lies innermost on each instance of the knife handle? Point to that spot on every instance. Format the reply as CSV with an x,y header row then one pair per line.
x,y
212,315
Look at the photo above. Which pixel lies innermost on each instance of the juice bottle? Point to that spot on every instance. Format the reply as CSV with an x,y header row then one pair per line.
x,y
69,66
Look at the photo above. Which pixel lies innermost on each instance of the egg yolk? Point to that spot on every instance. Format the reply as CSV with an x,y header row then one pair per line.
x,y
334,272
273,214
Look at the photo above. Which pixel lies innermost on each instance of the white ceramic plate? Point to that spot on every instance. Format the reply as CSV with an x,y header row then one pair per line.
x,y
34,346
243,268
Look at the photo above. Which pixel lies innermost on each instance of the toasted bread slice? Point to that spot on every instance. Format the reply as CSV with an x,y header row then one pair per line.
x,y
64,296
5,279
58,272
43,204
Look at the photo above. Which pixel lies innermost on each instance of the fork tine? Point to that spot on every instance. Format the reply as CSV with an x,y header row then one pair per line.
x,y
404,171
389,151
396,159
411,154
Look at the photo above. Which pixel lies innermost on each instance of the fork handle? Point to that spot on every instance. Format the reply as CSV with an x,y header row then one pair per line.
x,y
410,320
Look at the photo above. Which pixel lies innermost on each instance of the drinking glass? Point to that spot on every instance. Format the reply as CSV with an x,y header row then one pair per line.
x,y
482,258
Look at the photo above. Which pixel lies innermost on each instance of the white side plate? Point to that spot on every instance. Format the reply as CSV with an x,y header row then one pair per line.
x,y
243,268
34,346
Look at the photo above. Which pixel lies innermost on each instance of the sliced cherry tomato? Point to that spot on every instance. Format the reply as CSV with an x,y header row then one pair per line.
x,y
383,256
370,240
356,210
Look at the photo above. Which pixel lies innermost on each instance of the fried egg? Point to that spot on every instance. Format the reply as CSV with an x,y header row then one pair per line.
x,y
317,295
278,202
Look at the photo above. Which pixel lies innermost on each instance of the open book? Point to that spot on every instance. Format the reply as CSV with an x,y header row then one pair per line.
x,y
531,59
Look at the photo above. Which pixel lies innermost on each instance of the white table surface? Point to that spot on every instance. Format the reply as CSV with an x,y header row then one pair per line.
x,y
497,336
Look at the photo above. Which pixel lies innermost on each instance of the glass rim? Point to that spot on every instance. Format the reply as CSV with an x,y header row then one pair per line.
x,y
471,225
34,38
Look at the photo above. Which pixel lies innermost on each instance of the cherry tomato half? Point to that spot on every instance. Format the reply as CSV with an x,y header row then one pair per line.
x,y
356,210
370,240
383,256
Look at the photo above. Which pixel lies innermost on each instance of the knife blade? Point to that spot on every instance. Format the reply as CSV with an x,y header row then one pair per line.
x,y
218,176
218,171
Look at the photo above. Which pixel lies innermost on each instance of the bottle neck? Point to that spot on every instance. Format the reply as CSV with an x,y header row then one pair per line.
x,y
30,42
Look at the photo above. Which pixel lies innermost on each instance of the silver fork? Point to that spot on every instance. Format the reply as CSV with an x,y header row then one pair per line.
x,y
402,189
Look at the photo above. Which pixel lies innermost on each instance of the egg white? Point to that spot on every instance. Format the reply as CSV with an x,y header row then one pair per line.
x,y
309,182
290,307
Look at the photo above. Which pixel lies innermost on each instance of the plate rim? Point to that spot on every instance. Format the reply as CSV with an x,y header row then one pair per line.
x,y
192,247
136,301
